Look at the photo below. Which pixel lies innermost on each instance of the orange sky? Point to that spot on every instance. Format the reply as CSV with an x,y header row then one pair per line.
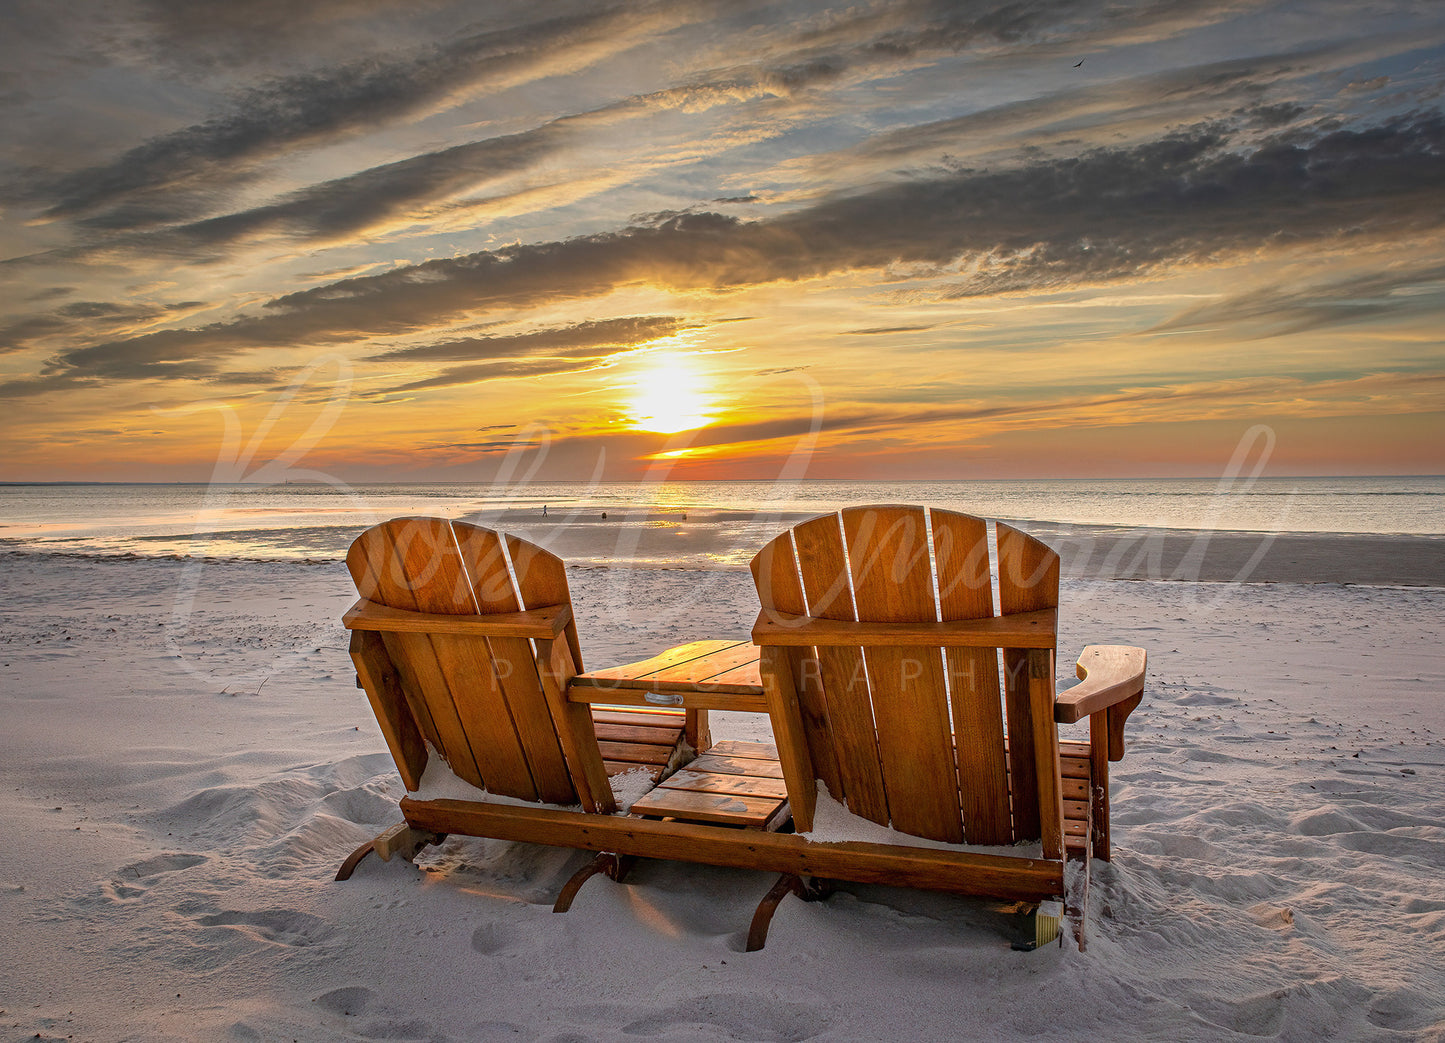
x,y
872,241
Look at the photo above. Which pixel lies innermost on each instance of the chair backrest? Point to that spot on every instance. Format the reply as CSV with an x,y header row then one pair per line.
x,y
478,701
917,737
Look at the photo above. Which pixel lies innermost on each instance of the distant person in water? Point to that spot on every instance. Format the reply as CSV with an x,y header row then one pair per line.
x,y
544,510
604,515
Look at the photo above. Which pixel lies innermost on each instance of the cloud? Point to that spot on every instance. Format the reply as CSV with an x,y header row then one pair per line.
x,y
577,339
84,319
457,376
1107,215
317,106
1279,310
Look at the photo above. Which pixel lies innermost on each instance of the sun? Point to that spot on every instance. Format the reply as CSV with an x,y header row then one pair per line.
x,y
668,397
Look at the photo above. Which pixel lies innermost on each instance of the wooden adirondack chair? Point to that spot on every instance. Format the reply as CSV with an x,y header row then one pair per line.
x,y
881,663
465,644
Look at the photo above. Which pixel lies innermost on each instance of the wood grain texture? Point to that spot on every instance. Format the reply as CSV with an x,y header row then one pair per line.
x,y
1046,755
542,580
575,731
716,782
780,593
790,733
379,679
823,567
545,623
484,556
1028,580
961,872
738,809
387,548
1109,674
960,543
889,561
1018,630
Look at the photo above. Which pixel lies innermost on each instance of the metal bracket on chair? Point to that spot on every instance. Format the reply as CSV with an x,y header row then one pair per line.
x,y
400,839
615,866
805,887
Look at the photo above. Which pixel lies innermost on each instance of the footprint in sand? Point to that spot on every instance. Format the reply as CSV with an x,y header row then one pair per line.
x,y
741,1017
277,926
158,865
492,938
353,999
130,882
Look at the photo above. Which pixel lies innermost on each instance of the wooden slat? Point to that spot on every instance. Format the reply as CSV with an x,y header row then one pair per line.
x,y
961,872
1028,581
661,719
960,544
635,752
716,782
795,763
737,766
1046,751
1034,629
574,727
542,580
620,767
823,566
707,668
414,654
363,559
727,808
1074,789
637,735
746,749
545,622
748,675
438,581
515,662
892,583
639,674
383,690
793,686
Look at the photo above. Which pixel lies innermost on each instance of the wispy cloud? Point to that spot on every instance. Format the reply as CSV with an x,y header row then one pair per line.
x,y
1108,215
314,107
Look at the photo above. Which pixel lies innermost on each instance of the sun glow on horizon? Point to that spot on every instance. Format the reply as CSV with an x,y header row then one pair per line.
x,y
668,398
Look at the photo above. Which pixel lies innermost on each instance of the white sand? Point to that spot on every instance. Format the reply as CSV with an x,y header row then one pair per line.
x,y
181,779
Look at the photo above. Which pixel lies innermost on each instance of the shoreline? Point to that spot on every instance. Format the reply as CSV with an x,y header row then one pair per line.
x,y
1087,552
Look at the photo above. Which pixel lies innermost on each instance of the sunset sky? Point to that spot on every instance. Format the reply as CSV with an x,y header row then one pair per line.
x,y
385,240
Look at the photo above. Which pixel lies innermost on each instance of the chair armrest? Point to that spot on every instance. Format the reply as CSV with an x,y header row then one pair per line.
x,y
1109,675
1016,630
544,623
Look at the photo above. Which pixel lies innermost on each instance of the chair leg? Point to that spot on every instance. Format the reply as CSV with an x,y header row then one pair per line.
x,y
400,839
806,888
354,859
1078,914
1041,925
615,866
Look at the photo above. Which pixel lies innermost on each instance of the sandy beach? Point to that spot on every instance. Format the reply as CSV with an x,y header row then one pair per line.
x,y
185,761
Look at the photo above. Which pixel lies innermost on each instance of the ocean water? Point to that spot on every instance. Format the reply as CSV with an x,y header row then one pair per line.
x,y
676,524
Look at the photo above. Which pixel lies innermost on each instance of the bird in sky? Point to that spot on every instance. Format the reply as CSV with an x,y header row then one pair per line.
x,y
1078,63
